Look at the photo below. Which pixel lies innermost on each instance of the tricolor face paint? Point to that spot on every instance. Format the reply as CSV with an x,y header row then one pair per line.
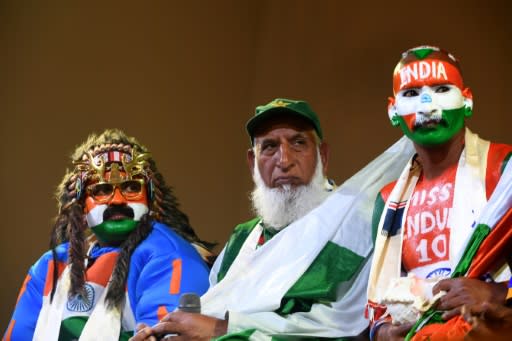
x,y
430,103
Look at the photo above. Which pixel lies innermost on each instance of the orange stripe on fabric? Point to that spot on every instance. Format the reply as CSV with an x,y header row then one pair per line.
x,y
49,276
454,330
102,268
161,312
9,331
176,277
23,287
495,157
494,249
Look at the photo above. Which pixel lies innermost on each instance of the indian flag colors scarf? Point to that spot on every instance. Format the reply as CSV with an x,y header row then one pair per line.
x,y
471,220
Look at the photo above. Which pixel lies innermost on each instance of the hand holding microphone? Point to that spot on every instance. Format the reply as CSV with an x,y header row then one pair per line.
x,y
188,303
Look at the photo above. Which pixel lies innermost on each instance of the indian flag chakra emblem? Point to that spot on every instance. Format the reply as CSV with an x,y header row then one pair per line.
x,y
79,304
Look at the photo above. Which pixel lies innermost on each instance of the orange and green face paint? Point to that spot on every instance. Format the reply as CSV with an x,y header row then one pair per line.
x,y
431,102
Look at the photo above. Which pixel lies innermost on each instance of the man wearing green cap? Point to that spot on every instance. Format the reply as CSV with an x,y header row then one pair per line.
x,y
296,271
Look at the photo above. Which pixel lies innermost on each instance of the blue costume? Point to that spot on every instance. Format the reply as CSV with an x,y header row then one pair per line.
x,y
162,267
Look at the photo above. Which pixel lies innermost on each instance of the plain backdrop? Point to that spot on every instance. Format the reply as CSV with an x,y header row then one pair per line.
x,y
185,76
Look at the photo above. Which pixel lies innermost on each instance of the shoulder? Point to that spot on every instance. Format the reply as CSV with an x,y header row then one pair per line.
x,y
40,268
234,244
241,232
497,158
163,241
386,191
498,155
247,226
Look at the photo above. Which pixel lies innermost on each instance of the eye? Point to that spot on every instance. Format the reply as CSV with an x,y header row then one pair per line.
x,y
131,186
299,141
442,88
99,190
410,93
268,147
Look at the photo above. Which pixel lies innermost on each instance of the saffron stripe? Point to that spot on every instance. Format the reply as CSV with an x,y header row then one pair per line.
x,y
176,277
161,312
9,331
23,287
49,275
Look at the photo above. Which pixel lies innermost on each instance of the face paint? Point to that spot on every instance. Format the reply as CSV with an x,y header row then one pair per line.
x,y
114,208
425,72
430,115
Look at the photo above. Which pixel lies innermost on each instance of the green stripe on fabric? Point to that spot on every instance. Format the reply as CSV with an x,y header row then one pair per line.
x,y
333,265
244,335
71,328
234,245
378,208
505,162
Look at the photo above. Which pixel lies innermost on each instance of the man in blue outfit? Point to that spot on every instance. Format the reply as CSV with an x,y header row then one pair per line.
x,y
121,250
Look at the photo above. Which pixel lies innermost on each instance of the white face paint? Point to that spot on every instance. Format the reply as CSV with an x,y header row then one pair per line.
x,y
428,102
95,216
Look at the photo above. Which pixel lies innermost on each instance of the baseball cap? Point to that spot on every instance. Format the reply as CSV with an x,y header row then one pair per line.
x,y
283,105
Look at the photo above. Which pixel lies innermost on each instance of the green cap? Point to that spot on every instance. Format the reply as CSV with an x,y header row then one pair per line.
x,y
283,105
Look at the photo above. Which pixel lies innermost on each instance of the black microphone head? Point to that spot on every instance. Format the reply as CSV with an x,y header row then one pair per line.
x,y
190,303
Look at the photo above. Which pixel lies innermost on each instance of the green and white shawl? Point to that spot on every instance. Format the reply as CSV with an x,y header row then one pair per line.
x,y
309,280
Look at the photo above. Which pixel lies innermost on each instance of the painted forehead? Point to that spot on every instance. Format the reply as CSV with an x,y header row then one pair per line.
x,y
426,66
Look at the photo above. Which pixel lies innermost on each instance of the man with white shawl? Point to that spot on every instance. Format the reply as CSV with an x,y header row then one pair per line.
x,y
299,270
442,229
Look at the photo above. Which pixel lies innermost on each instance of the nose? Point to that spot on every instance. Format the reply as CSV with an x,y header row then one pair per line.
x,y
428,110
427,105
285,157
117,198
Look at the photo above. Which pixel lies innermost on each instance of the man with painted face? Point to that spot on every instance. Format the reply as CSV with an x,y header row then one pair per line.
x,y
121,250
293,272
452,199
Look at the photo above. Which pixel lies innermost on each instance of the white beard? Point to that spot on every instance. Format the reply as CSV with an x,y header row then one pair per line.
x,y
280,206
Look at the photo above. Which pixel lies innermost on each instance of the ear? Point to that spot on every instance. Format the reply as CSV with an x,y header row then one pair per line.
x,y
251,160
324,156
392,113
468,102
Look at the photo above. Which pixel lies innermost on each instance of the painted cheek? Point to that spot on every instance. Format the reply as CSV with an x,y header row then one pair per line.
x,y
90,204
143,199
410,120
453,100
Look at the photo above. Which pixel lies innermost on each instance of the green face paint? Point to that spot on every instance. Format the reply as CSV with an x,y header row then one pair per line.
x,y
452,122
114,231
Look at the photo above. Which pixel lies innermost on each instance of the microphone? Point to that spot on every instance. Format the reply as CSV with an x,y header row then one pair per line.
x,y
190,303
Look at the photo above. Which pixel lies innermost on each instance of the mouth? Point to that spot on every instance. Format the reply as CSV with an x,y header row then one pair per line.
x,y
286,180
115,213
429,123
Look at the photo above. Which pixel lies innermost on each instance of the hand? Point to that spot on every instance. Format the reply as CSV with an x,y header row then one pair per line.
x,y
190,327
144,333
489,322
469,292
391,332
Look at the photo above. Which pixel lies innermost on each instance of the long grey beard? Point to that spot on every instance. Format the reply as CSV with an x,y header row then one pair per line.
x,y
278,207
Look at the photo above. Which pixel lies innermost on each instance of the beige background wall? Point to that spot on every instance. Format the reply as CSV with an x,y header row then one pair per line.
x,y
184,76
